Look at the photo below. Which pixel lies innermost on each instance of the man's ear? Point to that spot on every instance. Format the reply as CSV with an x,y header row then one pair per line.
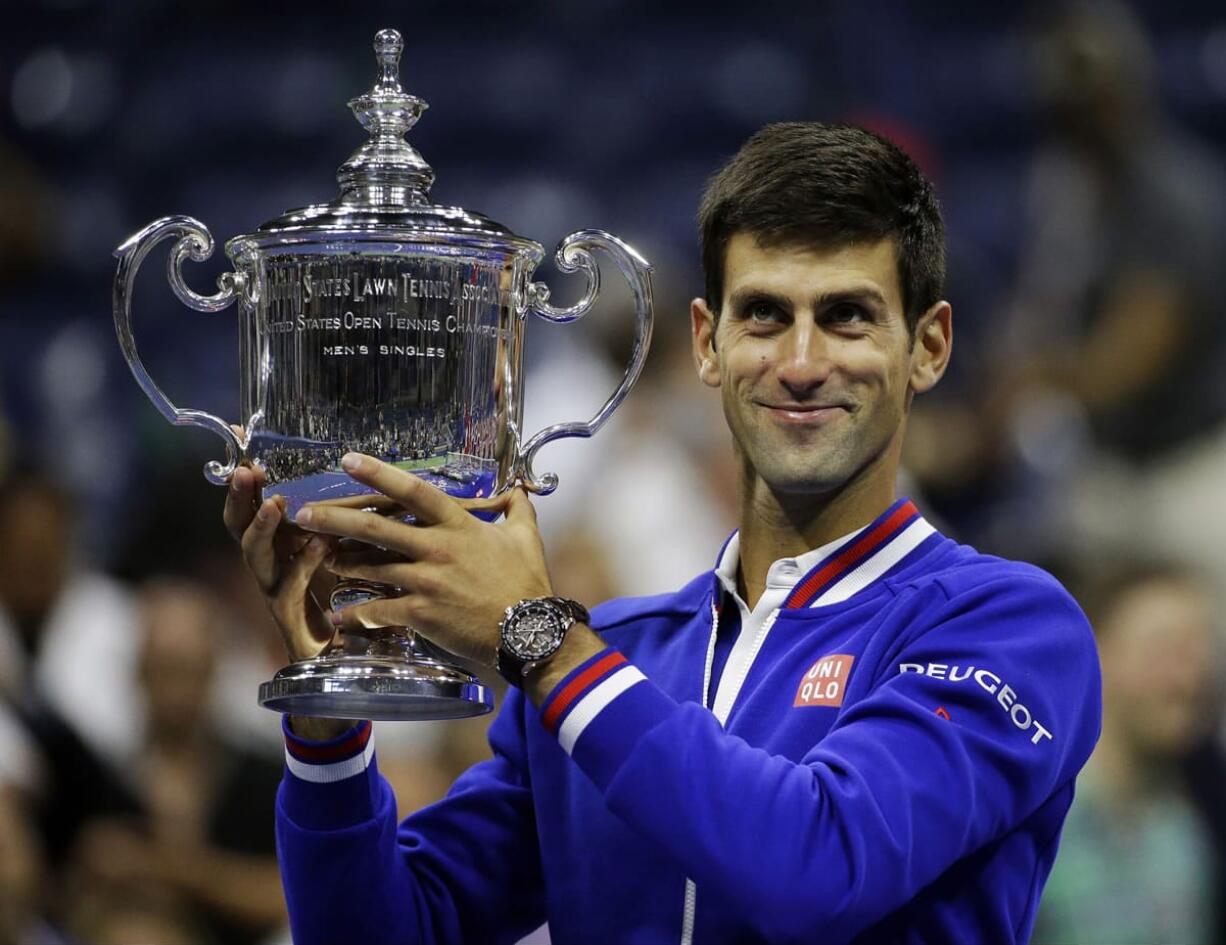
x,y
702,324
934,342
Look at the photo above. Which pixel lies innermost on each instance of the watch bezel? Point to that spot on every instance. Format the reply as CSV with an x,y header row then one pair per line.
x,y
557,617
512,663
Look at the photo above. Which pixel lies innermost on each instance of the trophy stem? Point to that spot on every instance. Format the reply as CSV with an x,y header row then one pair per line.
x,y
387,673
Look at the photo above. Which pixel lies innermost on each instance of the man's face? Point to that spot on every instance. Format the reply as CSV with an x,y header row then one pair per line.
x,y
1159,659
814,362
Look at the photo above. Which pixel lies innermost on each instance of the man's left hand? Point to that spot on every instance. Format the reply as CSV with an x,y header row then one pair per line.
x,y
457,573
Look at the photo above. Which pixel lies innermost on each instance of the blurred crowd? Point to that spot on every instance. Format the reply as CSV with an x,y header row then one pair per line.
x,y
1080,151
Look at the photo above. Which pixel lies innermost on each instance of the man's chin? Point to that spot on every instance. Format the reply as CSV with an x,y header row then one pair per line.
x,y
806,483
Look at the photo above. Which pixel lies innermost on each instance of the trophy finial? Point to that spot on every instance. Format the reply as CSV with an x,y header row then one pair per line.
x,y
386,170
388,47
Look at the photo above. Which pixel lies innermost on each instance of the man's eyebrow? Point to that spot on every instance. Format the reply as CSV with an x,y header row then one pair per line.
x,y
863,293
858,293
746,294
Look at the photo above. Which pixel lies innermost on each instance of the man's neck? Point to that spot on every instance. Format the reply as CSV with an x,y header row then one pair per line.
x,y
777,526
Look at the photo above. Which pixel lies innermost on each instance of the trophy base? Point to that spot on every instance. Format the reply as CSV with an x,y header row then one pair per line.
x,y
382,688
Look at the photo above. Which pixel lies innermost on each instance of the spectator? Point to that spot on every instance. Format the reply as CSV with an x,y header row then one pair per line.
x,y
203,843
1135,864
24,887
48,689
1104,388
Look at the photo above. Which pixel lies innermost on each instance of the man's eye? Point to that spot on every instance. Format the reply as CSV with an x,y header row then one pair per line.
x,y
847,313
762,312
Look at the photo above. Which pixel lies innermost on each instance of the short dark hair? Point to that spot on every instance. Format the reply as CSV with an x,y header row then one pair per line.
x,y
809,183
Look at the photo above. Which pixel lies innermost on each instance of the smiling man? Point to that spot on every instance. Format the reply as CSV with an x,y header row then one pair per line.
x,y
852,728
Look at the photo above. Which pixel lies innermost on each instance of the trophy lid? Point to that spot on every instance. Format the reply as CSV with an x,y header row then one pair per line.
x,y
385,184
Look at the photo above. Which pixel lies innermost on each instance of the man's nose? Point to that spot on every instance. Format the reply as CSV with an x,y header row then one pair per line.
x,y
804,361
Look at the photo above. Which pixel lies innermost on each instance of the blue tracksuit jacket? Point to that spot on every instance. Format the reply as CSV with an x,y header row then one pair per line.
x,y
895,767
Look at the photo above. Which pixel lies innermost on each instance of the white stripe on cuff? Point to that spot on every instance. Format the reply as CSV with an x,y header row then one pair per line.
x,y
336,770
589,706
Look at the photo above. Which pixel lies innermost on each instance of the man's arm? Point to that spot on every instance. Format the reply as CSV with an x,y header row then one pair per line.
x,y
885,803
465,869
890,799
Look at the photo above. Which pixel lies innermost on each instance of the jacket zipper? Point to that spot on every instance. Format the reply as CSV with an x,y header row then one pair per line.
x,y
691,890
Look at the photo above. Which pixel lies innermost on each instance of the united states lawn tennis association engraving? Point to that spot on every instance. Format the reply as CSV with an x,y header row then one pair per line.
x,y
367,305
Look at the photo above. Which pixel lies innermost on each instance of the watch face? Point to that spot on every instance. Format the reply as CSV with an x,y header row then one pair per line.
x,y
533,631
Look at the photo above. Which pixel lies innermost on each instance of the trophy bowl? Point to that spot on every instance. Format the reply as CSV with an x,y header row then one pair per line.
x,y
385,324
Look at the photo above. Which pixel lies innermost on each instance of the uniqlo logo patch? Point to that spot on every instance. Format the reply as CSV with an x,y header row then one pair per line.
x,y
825,681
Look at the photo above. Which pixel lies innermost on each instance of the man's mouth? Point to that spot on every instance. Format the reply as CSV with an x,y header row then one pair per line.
x,y
803,413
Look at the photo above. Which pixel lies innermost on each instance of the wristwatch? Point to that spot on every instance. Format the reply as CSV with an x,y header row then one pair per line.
x,y
532,631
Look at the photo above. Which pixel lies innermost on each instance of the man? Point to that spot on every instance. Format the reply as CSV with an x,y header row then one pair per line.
x,y
853,729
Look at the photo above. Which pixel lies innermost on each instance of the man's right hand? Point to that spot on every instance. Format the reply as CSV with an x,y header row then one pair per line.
x,y
283,560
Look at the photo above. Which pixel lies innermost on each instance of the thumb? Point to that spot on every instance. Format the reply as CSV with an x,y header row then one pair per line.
x,y
519,507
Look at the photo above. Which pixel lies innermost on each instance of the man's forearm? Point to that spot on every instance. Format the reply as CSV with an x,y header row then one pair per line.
x,y
581,643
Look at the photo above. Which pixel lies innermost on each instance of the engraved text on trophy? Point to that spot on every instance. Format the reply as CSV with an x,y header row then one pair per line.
x,y
398,356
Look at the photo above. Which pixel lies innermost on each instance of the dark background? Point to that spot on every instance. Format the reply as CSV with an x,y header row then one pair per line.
x,y
546,117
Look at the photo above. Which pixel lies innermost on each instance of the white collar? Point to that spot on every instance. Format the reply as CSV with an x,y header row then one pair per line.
x,y
840,568
782,574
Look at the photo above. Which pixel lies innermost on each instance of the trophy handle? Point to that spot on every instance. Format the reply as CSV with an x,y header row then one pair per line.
x,y
193,240
574,255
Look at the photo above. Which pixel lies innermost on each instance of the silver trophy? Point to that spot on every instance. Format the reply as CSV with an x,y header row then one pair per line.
x,y
384,324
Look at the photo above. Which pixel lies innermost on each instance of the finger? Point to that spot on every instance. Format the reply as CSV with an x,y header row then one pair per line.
x,y
381,504
241,502
293,599
487,506
428,504
520,507
367,501
355,554
258,548
385,612
298,570
398,574
387,533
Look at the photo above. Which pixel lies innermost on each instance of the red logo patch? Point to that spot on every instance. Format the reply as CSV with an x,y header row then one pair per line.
x,y
825,681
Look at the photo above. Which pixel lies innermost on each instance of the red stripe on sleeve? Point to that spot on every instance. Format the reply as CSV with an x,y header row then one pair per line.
x,y
325,754
576,686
